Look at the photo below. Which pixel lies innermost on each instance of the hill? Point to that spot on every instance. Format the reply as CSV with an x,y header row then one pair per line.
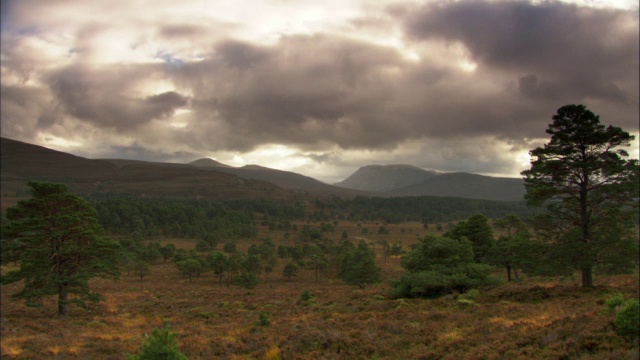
x,y
208,163
384,178
290,180
207,178
409,180
203,178
470,186
22,162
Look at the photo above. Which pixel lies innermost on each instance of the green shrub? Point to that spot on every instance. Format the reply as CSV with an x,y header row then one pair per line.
x,y
613,303
471,295
161,345
306,296
627,323
263,320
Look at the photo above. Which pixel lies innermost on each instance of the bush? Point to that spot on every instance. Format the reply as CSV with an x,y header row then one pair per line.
x,y
161,345
306,296
627,323
263,320
613,303
441,266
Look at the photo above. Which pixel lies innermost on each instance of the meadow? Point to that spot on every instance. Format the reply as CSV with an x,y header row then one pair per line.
x,y
535,318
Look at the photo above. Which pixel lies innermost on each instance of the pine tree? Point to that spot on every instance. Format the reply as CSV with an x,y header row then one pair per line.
x,y
60,246
585,185
161,345
358,266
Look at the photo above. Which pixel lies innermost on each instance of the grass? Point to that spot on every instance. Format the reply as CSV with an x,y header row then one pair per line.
x,y
532,319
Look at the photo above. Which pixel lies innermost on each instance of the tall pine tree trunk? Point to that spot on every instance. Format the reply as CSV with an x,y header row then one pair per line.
x,y
509,273
62,300
587,277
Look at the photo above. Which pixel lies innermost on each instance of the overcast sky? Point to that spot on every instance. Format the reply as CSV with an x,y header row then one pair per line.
x,y
316,87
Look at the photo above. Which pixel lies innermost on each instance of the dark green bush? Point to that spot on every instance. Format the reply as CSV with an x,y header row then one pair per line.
x,y
161,345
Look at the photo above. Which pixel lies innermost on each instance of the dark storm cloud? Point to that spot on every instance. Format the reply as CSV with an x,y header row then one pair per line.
x,y
447,85
555,51
104,98
304,90
26,110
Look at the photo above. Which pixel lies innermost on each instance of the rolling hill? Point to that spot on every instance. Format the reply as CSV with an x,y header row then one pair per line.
x,y
207,178
412,181
384,178
21,162
284,179
203,178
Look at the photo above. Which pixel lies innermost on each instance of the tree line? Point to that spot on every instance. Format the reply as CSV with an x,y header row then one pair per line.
x,y
583,190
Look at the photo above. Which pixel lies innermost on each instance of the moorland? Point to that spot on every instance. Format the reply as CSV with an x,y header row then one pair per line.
x,y
313,314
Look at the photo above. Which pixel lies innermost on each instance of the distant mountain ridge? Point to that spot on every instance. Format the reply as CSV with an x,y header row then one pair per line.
x,y
207,178
208,163
385,178
412,181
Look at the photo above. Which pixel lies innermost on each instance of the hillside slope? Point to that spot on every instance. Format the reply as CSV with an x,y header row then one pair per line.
x,y
22,162
409,180
470,186
384,178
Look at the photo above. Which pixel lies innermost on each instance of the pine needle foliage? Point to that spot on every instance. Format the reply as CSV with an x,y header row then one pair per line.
x,y
60,245
161,345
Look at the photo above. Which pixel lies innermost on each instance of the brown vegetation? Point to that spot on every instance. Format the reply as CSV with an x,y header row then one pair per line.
x,y
535,318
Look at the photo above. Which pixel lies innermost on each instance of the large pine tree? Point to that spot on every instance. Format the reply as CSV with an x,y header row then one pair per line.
x,y
582,179
60,246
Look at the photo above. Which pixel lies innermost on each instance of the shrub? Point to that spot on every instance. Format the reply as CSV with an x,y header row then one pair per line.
x,y
627,323
441,266
263,320
613,303
161,345
306,296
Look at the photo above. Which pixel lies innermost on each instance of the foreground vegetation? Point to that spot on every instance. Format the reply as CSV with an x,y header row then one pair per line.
x,y
534,318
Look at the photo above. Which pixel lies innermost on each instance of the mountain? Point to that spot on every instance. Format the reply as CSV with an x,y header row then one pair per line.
x,y
385,178
208,163
289,180
412,181
21,162
470,186
206,179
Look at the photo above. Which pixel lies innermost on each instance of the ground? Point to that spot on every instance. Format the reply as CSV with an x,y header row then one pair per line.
x,y
551,318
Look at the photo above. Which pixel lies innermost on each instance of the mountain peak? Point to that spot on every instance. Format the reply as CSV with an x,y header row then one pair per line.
x,y
208,163
385,177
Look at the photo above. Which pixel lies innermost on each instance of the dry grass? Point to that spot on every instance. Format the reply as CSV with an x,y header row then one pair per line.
x,y
528,320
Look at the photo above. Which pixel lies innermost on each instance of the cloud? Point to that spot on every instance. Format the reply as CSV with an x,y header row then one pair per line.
x,y
555,50
104,97
453,86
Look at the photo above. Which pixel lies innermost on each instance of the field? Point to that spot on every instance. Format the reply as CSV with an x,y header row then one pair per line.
x,y
532,319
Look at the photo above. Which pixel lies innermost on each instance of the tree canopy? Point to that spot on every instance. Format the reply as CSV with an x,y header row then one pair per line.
x,y
59,244
586,186
441,265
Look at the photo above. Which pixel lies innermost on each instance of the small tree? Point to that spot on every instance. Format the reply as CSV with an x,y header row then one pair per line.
x,y
60,245
168,251
510,249
190,267
141,268
290,270
229,247
162,344
359,267
477,230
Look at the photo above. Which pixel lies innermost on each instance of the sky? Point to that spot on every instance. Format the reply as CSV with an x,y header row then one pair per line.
x,y
318,87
